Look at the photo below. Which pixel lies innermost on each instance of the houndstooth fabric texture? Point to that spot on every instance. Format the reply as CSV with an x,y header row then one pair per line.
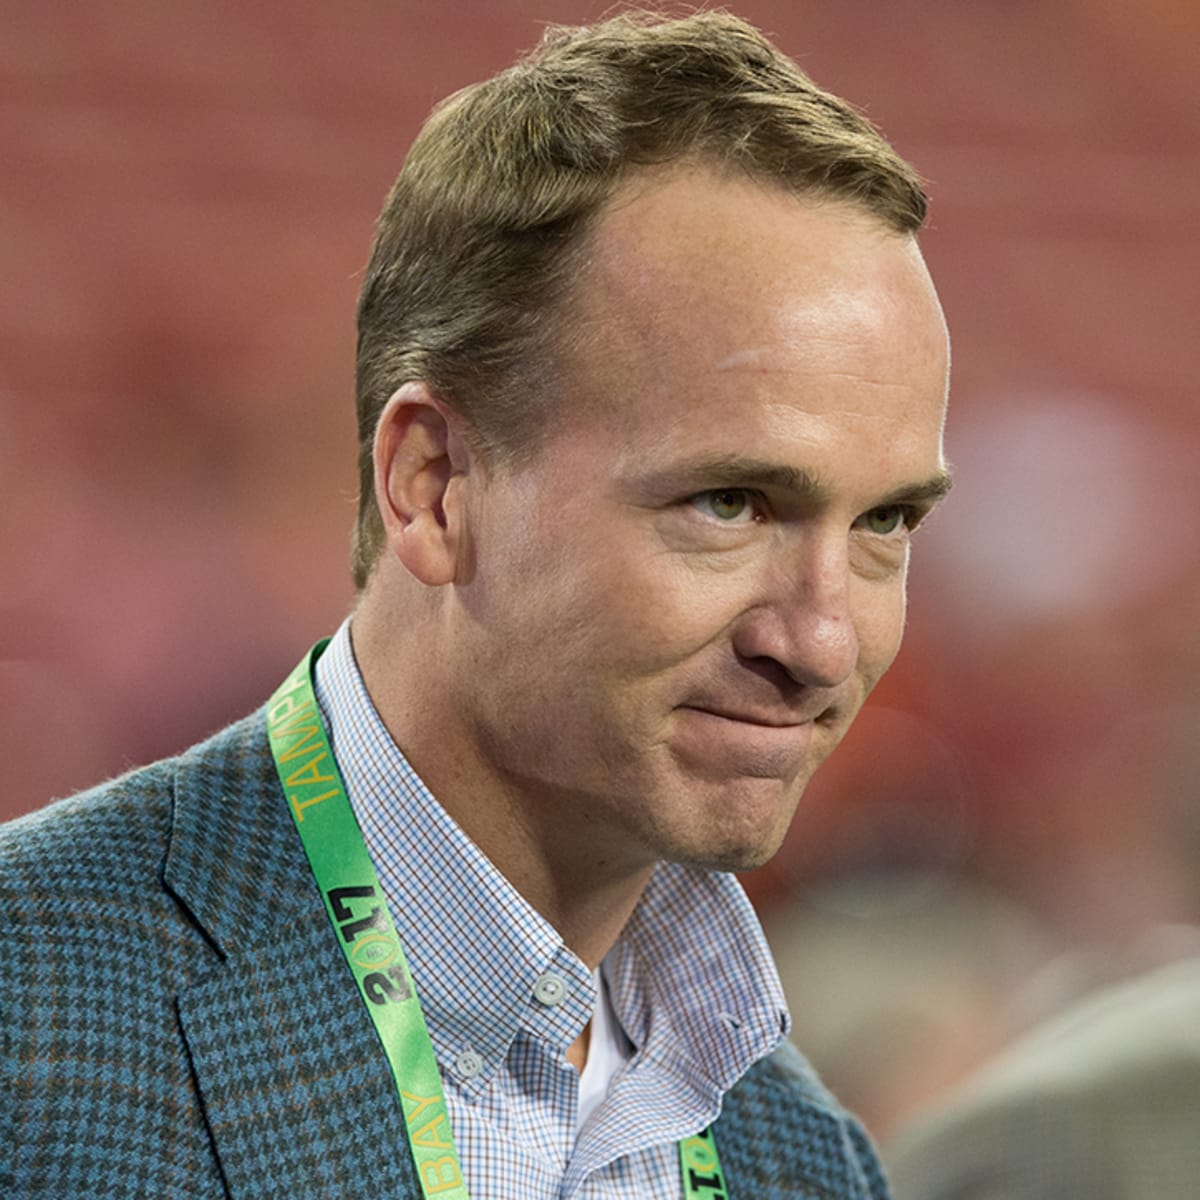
x,y
176,1022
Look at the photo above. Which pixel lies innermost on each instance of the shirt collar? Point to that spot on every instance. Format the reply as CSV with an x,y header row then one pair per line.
x,y
693,982
693,978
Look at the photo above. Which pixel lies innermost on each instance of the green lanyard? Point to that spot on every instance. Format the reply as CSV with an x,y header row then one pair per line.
x,y
356,907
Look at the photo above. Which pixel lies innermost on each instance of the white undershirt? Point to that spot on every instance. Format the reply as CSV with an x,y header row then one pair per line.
x,y
608,1051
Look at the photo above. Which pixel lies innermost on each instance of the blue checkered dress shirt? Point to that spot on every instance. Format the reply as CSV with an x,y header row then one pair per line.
x,y
692,982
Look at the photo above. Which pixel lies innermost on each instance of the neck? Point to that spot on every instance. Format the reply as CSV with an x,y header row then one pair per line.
x,y
542,845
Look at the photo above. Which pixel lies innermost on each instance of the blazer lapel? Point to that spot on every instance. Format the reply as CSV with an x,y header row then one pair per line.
x,y
296,1090
782,1137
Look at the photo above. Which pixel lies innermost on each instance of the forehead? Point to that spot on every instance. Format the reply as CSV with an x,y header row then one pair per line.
x,y
718,316
722,273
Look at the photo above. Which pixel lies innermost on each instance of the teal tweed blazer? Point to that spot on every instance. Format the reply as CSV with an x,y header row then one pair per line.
x,y
176,1021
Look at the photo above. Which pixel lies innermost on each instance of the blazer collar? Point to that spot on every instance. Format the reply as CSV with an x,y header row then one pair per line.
x,y
782,1136
296,1090
234,852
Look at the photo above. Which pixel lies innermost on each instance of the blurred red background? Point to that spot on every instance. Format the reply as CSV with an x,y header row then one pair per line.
x,y
186,199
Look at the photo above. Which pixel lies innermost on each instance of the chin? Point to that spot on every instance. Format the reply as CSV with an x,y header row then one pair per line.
x,y
739,858
743,848
723,824
749,827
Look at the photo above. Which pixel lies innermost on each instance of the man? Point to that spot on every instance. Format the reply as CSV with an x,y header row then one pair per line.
x,y
651,388
1102,1101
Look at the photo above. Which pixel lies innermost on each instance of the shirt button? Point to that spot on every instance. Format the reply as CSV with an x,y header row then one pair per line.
x,y
550,989
468,1064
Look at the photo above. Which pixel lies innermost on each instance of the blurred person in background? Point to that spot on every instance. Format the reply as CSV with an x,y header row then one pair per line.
x,y
1102,1101
1100,1096
651,384
901,982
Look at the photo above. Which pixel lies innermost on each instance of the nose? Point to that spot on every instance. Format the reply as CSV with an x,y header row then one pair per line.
x,y
803,620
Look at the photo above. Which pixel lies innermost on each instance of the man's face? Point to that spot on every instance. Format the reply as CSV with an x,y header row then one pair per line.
x,y
673,613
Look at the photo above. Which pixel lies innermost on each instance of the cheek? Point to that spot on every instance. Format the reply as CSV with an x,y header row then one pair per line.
x,y
662,611
604,594
879,622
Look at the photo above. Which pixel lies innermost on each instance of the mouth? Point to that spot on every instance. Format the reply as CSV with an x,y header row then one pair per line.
x,y
744,742
764,719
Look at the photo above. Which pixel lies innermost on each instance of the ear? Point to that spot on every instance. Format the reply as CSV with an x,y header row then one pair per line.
x,y
420,463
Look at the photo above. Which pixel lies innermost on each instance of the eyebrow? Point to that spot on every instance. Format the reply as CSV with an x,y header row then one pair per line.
x,y
735,471
929,492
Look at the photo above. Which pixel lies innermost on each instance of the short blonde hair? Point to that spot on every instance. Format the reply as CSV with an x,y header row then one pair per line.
x,y
482,230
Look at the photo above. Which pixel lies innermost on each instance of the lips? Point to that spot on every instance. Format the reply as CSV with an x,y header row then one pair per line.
x,y
771,719
724,742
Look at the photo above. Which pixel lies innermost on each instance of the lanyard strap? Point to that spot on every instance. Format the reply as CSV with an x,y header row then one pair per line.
x,y
357,910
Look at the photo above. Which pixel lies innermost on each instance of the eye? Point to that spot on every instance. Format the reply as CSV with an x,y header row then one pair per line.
x,y
732,506
886,520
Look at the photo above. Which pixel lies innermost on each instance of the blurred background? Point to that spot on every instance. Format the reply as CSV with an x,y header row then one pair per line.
x,y
187,193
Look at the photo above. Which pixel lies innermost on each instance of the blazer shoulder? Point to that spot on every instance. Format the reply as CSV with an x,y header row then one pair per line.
x,y
95,948
87,844
106,842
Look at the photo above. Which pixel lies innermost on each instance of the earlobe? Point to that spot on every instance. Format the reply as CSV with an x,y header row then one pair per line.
x,y
419,464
